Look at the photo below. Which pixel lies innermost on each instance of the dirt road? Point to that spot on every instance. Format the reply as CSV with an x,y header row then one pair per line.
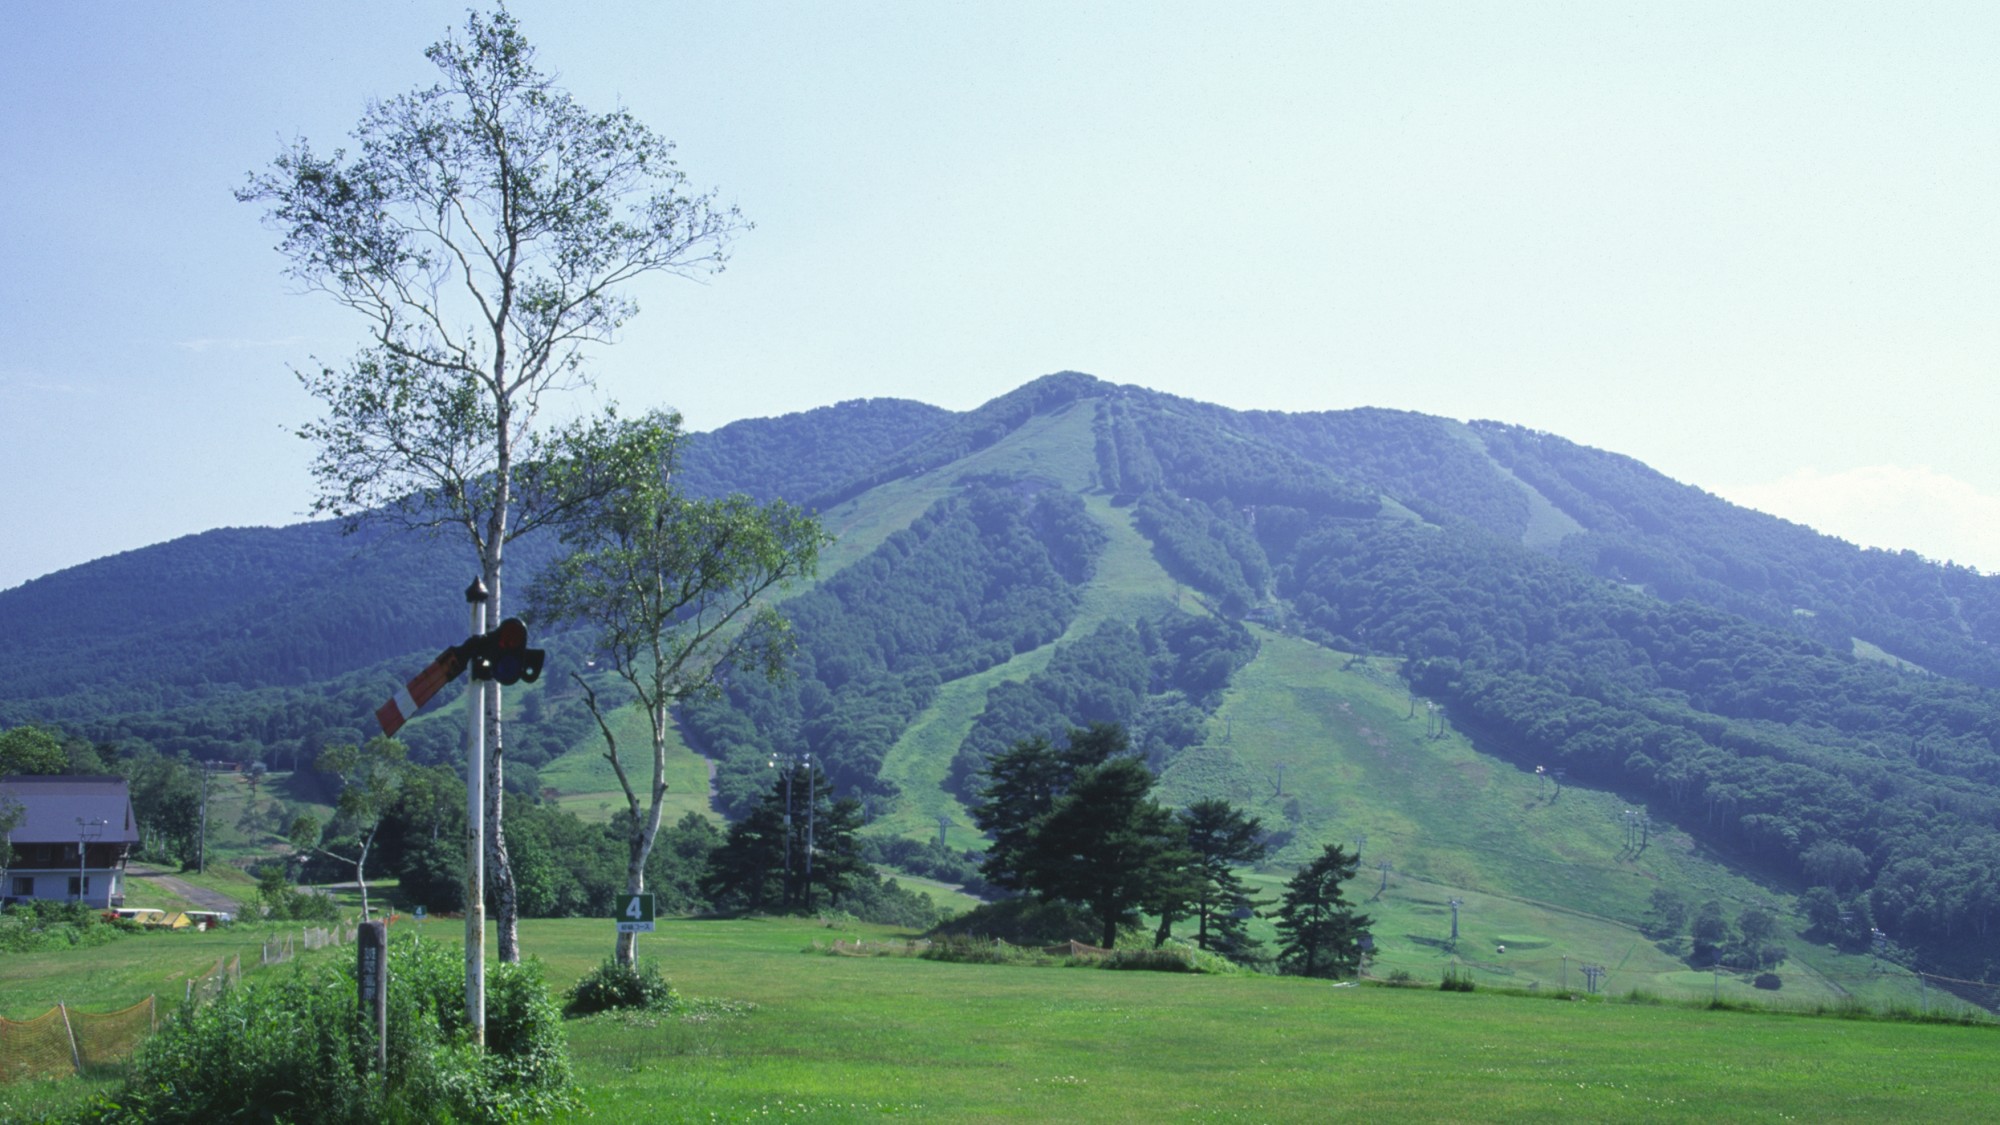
x,y
141,875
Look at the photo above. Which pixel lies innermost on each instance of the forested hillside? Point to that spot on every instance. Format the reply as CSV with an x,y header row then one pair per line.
x,y
1824,715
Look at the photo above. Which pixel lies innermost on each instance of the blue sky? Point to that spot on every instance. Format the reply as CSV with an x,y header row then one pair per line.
x,y
1752,245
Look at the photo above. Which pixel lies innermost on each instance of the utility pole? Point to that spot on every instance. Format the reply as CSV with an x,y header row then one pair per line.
x,y
86,831
788,760
201,842
1455,904
791,763
812,804
944,826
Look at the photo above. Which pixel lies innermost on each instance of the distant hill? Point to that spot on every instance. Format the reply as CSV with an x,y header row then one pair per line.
x,y
1080,551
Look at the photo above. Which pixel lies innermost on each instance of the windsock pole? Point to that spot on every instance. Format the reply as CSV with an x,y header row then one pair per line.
x,y
475,833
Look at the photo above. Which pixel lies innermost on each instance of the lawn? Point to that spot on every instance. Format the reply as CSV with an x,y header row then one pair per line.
x,y
813,1036
833,1038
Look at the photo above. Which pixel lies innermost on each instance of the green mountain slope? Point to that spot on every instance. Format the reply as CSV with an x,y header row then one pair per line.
x,y
1078,550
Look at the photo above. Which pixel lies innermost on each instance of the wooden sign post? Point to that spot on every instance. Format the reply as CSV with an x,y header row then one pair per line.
x,y
371,947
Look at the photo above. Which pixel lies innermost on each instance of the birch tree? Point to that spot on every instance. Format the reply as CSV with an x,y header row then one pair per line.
x,y
486,229
673,589
370,778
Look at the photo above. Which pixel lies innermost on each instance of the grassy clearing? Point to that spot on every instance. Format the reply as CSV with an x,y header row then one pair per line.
x,y
945,895
920,760
1547,524
1864,650
586,785
1059,445
248,819
1453,822
1128,584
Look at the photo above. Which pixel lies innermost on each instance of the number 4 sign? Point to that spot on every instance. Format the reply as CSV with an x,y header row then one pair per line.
x,y
635,914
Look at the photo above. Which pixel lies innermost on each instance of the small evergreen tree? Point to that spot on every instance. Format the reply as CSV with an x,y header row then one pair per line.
x,y
1319,931
747,871
1219,837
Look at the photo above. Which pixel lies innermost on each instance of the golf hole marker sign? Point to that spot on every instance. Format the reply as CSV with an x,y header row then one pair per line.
x,y
635,914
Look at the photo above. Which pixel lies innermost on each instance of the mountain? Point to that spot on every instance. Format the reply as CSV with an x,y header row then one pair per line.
x,y
1077,551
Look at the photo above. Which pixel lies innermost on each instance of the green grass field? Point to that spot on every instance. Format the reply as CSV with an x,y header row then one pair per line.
x,y
1453,822
811,1036
586,785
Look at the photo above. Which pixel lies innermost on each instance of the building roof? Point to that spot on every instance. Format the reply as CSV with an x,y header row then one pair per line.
x,y
53,805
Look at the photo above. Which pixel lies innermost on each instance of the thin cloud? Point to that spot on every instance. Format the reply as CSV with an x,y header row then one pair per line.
x,y
1889,506
34,382
236,343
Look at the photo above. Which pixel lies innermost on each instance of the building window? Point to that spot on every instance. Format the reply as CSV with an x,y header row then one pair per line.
x,y
72,887
24,887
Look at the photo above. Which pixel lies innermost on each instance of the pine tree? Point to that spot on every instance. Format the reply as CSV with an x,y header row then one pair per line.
x,y
1319,931
1107,845
1079,824
1220,837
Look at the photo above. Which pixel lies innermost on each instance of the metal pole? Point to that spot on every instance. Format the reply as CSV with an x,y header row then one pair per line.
x,y
475,832
86,831
201,845
812,801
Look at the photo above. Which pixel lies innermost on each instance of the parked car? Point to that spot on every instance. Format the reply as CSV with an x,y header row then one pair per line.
x,y
137,915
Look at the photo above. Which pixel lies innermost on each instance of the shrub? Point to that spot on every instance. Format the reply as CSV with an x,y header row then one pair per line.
x,y
612,985
1455,981
1151,960
1022,921
982,951
1770,981
41,925
283,902
871,898
1174,958
296,1046
930,860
